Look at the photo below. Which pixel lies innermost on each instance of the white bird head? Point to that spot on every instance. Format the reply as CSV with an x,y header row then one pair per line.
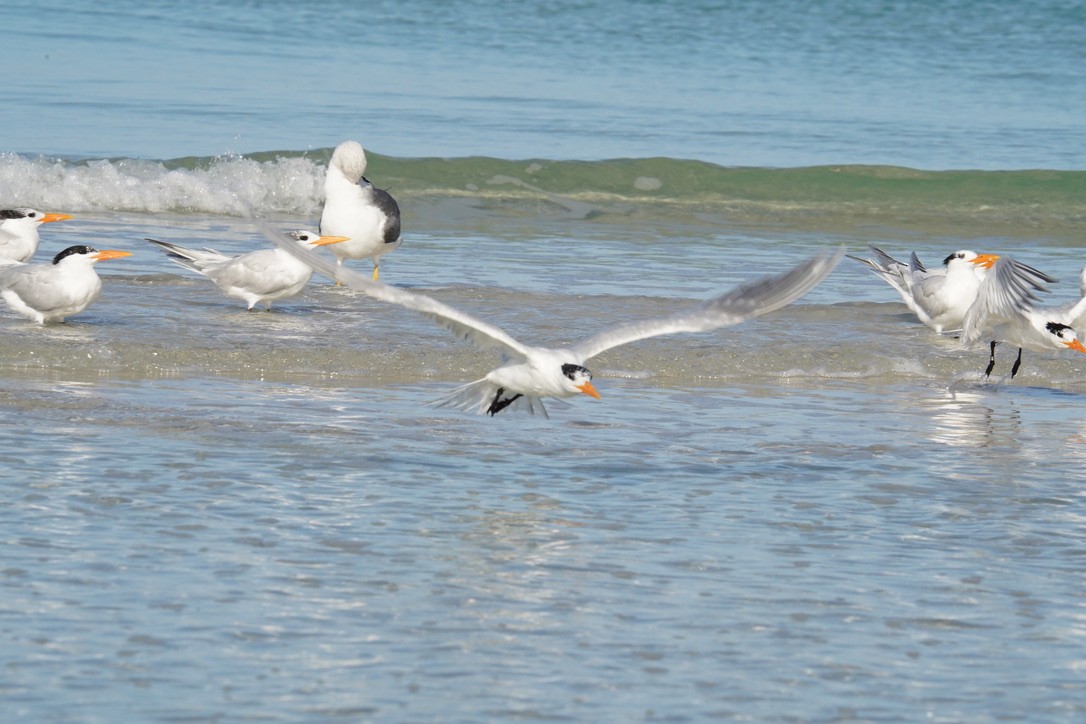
x,y
311,238
87,255
965,256
30,217
1065,335
580,379
350,159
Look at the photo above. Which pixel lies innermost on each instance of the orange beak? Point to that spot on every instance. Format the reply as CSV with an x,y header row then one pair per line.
x,y
986,260
1076,345
111,254
326,240
55,217
588,389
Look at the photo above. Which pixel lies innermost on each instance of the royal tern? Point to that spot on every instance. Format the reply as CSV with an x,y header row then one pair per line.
x,y
1004,311
940,298
51,291
1074,313
19,231
353,207
529,374
264,276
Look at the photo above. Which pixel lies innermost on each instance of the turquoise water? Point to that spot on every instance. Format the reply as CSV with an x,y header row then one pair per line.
x,y
823,514
983,84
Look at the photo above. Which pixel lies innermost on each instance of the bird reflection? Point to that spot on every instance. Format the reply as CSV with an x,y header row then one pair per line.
x,y
973,419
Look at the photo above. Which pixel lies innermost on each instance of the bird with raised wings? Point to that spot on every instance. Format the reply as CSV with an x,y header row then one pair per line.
x,y
1005,311
19,231
941,297
529,374
261,276
51,291
353,207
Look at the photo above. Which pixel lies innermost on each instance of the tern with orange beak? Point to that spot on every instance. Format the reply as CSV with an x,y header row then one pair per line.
x,y
262,276
19,231
1004,311
529,374
939,298
51,291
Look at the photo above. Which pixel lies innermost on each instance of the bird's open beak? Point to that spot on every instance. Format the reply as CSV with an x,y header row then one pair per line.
x,y
326,240
55,217
588,389
111,254
985,260
1076,345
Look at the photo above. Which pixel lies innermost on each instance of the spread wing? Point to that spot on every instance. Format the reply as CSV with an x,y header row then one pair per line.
x,y
462,324
1009,288
742,303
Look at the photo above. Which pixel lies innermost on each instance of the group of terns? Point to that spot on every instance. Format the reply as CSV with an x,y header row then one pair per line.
x,y
976,296
984,297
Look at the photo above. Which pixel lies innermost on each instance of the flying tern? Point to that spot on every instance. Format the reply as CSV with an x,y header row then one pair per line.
x,y
528,374
51,291
19,231
262,276
353,207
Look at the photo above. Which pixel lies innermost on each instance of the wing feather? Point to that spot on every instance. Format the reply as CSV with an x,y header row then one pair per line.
x,y
1009,288
742,303
462,324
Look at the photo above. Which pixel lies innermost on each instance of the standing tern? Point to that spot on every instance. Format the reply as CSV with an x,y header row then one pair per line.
x,y
1004,311
940,298
51,291
529,374
353,207
19,231
264,276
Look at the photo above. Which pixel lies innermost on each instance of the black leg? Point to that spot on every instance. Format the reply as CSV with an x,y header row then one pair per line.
x,y
991,361
499,404
1017,364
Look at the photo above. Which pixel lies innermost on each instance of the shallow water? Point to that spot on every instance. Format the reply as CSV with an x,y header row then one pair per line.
x,y
298,551
825,513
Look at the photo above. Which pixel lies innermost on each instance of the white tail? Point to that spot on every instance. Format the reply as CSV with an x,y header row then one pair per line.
x,y
482,397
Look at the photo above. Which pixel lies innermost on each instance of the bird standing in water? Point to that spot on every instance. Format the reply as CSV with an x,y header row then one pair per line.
x,y
19,231
1004,311
265,275
353,207
51,291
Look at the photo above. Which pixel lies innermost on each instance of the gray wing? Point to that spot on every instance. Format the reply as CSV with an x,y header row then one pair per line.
x,y
383,200
742,303
462,324
1009,288
915,265
890,270
37,286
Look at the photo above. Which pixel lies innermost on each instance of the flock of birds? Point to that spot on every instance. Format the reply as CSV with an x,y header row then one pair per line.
x,y
974,296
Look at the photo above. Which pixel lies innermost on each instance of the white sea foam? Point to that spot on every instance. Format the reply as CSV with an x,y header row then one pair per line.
x,y
228,185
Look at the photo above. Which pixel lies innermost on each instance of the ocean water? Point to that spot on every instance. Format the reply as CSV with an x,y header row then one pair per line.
x,y
989,84
823,514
